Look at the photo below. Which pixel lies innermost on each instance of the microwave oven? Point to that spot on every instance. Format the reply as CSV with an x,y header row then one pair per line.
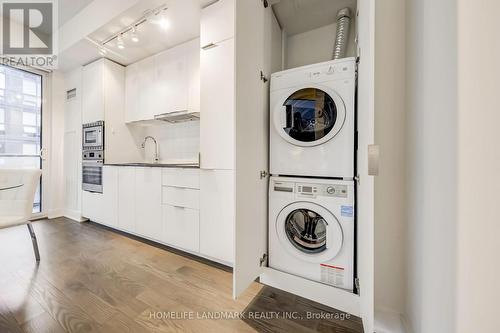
x,y
93,136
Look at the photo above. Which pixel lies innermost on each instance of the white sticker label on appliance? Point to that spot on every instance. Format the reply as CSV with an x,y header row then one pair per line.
x,y
332,275
347,211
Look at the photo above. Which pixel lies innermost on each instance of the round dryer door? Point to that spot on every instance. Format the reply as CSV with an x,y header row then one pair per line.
x,y
309,116
309,231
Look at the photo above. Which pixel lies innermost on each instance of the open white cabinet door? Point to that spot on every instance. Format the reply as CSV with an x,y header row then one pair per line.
x,y
366,124
252,146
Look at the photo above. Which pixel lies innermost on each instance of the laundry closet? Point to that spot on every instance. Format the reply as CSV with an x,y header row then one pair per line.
x,y
249,41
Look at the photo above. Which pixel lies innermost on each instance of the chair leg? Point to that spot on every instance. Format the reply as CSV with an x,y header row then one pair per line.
x,y
35,243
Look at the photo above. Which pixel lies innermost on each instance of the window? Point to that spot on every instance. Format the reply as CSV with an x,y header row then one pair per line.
x,y
20,121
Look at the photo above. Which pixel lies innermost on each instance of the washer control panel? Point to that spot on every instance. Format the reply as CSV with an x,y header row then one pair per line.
x,y
310,190
313,190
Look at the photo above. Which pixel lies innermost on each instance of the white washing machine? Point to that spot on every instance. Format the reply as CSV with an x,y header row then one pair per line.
x,y
311,229
312,120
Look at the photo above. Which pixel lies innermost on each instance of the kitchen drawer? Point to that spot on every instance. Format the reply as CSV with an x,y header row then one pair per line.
x,y
181,227
182,197
181,177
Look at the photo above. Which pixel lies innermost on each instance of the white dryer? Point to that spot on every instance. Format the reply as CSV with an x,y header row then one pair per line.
x,y
312,120
311,229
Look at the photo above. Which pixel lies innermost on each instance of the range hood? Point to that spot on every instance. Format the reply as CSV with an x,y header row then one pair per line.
x,y
178,116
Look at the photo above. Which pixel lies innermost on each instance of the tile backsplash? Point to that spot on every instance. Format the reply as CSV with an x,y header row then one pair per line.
x,y
178,143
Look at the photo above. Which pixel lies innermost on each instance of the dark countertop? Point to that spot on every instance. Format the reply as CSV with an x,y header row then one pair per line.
x,y
155,165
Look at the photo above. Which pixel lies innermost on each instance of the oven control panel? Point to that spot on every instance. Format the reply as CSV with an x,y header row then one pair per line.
x,y
93,155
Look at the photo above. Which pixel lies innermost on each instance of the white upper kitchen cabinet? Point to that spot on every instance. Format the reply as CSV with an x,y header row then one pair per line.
x,y
217,214
132,92
93,92
148,209
99,89
217,23
217,128
166,82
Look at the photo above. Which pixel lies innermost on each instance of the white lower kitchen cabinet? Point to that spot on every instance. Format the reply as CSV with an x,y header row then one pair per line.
x,y
217,214
103,207
181,227
148,202
126,199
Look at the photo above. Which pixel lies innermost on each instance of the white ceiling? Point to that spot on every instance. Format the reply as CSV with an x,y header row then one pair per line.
x,y
297,16
184,25
69,8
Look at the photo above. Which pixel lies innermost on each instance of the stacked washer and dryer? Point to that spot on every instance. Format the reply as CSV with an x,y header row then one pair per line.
x,y
312,166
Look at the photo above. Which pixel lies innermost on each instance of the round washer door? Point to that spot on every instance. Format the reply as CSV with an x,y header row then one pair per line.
x,y
309,116
309,231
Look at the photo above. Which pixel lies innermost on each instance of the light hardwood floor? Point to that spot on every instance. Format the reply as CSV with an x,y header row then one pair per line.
x,y
91,279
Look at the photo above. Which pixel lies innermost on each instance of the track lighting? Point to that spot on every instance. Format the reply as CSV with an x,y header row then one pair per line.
x,y
133,35
119,42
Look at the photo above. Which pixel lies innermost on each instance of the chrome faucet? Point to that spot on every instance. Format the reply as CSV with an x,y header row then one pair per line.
x,y
157,158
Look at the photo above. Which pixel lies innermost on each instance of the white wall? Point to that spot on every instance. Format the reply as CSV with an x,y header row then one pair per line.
x,y
73,145
479,166
390,132
55,187
431,164
178,143
315,46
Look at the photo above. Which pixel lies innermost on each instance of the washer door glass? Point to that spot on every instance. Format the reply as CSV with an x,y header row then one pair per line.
x,y
306,231
310,114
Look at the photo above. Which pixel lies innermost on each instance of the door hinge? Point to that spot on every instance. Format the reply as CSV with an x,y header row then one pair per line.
x,y
263,78
263,174
263,260
356,283
357,179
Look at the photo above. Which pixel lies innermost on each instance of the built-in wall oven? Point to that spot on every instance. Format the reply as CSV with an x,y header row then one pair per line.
x,y
93,156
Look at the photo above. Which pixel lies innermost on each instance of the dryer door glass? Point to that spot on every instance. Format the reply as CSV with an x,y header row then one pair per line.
x,y
310,114
306,230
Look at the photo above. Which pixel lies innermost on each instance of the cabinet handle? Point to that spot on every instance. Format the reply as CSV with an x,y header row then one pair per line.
x,y
180,207
209,46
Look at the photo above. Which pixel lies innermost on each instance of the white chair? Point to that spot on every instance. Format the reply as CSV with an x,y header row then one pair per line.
x,y
17,193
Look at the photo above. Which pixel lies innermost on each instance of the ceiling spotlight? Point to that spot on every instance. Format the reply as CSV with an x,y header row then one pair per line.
x,y
133,36
163,22
102,51
119,42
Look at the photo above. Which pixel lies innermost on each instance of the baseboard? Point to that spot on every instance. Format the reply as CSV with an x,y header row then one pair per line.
x,y
333,297
389,321
74,215
55,213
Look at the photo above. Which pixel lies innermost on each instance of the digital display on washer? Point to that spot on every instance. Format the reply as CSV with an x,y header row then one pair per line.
x,y
307,189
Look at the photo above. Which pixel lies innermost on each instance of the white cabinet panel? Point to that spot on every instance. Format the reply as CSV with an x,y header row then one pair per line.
x,y
217,214
126,199
181,177
181,227
164,83
181,197
148,202
147,90
132,93
102,207
217,107
217,22
193,65
93,92
172,80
